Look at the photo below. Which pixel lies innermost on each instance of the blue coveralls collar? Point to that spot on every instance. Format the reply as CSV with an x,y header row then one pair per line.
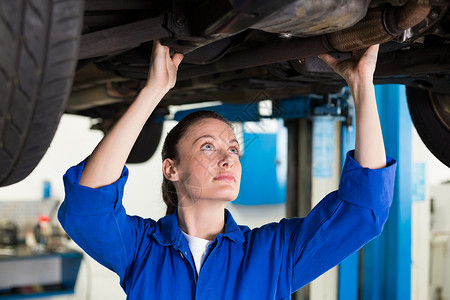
x,y
169,232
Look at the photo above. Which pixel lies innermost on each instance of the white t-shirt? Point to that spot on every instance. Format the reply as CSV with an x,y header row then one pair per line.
x,y
198,247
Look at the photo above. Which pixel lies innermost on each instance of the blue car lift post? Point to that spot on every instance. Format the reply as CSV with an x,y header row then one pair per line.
x,y
386,261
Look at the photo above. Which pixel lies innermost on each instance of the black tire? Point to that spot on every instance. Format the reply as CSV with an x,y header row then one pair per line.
x,y
431,117
147,142
39,43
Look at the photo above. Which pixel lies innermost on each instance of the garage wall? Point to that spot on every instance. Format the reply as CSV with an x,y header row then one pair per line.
x,y
422,220
420,223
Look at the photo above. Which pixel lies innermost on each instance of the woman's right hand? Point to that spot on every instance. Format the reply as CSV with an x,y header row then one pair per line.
x,y
105,164
163,69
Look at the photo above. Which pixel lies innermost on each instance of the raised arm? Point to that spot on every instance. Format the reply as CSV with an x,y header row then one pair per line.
x,y
358,73
105,164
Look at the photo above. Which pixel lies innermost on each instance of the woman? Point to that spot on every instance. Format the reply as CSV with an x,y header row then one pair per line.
x,y
197,251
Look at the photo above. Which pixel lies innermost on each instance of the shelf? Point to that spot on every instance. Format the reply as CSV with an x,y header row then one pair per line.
x,y
28,275
28,292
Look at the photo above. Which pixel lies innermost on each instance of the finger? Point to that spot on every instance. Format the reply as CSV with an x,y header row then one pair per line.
x,y
375,47
156,44
372,51
159,48
177,58
328,59
156,49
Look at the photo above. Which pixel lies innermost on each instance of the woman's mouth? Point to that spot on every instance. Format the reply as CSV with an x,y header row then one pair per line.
x,y
225,177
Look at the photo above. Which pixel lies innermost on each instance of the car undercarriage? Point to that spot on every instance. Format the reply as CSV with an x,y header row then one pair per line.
x,y
233,50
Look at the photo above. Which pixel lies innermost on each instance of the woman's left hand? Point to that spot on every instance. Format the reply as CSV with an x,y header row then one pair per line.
x,y
360,67
358,71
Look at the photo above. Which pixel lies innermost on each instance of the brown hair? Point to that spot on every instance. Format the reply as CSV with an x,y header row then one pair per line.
x,y
170,150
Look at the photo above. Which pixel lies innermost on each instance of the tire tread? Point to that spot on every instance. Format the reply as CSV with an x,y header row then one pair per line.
x,y
39,84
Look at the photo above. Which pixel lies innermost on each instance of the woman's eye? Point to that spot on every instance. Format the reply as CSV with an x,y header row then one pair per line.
x,y
234,150
207,147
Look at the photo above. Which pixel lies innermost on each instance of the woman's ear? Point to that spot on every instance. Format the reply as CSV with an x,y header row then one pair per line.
x,y
169,170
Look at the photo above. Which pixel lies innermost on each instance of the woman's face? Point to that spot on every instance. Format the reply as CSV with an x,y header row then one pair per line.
x,y
208,167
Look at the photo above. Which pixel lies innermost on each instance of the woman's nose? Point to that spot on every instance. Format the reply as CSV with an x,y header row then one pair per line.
x,y
226,162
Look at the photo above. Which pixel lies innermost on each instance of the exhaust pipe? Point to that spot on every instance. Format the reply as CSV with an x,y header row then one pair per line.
x,y
379,26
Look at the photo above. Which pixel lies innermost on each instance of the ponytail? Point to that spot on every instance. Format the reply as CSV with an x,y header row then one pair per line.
x,y
169,194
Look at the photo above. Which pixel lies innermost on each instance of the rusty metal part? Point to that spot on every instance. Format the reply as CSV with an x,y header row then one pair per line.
x,y
369,31
397,20
379,26
412,14
264,55
118,38
96,96
303,18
